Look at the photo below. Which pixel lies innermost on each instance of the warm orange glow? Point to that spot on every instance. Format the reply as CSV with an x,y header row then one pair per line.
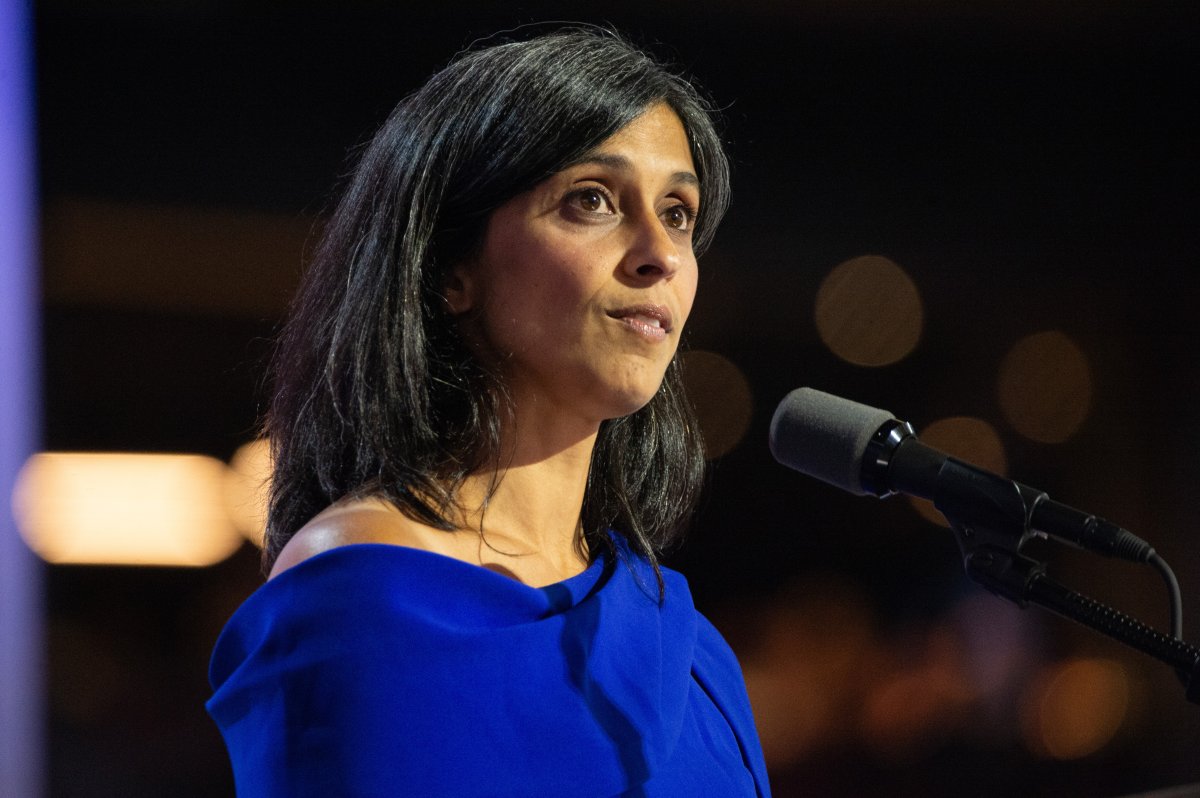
x,y
721,395
1045,387
171,257
1076,709
912,706
869,312
133,509
970,439
246,485
805,676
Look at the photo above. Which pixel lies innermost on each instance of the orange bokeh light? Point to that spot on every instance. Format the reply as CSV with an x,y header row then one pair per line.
x,y
721,396
1045,387
1076,708
121,508
869,312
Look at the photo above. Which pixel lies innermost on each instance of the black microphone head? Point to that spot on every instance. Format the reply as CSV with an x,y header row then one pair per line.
x,y
825,436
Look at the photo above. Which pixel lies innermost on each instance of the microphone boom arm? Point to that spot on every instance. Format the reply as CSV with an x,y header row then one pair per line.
x,y
992,519
867,451
1023,580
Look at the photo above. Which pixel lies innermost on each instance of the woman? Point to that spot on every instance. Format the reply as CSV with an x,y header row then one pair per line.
x,y
481,445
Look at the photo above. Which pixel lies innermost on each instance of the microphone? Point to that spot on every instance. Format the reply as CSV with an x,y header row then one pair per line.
x,y
867,451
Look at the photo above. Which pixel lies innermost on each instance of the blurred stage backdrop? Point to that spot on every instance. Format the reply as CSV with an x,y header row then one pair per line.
x,y
982,218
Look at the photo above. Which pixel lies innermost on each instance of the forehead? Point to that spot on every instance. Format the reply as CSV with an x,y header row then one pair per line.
x,y
654,138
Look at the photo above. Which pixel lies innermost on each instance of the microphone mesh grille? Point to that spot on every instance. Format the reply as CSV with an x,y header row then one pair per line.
x,y
825,436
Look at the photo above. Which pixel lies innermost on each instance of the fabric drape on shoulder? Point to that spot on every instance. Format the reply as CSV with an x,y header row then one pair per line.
x,y
375,670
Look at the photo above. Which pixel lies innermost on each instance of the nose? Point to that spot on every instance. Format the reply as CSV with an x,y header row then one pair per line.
x,y
653,253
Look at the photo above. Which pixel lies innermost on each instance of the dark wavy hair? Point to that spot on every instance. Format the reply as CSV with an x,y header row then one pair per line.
x,y
375,394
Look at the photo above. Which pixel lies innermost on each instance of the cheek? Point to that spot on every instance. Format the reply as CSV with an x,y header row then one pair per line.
x,y
534,294
539,297
549,277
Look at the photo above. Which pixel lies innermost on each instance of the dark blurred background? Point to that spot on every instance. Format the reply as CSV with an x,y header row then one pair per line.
x,y
979,215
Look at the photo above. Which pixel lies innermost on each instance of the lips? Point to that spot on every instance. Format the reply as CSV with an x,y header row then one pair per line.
x,y
651,320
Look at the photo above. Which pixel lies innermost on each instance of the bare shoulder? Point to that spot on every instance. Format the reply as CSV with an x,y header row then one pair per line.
x,y
356,521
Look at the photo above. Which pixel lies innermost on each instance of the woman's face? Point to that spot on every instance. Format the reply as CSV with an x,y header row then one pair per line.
x,y
582,285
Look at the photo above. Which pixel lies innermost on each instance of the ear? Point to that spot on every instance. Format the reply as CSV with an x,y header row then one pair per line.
x,y
459,291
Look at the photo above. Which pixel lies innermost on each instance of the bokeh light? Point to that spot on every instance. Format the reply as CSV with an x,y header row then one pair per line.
x,y
1076,708
869,312
969,439
721,396
918,704
806,674
1001,646
1045,387
825,674
130,509
247,483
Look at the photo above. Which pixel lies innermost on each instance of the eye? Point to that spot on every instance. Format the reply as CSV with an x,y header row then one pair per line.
x,y
591,200
679,217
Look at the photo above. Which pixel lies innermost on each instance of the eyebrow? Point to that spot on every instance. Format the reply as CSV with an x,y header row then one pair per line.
x,y
621,163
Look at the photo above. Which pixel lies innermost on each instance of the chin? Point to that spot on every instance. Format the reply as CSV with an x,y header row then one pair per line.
x,y
623,392
626,403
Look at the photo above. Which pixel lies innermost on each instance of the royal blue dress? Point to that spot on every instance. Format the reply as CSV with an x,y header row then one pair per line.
x,y
377,670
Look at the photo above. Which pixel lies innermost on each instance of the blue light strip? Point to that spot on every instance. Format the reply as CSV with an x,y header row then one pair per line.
x,y
21,682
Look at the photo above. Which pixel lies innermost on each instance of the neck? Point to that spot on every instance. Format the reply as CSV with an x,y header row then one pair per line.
x,y
532,505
